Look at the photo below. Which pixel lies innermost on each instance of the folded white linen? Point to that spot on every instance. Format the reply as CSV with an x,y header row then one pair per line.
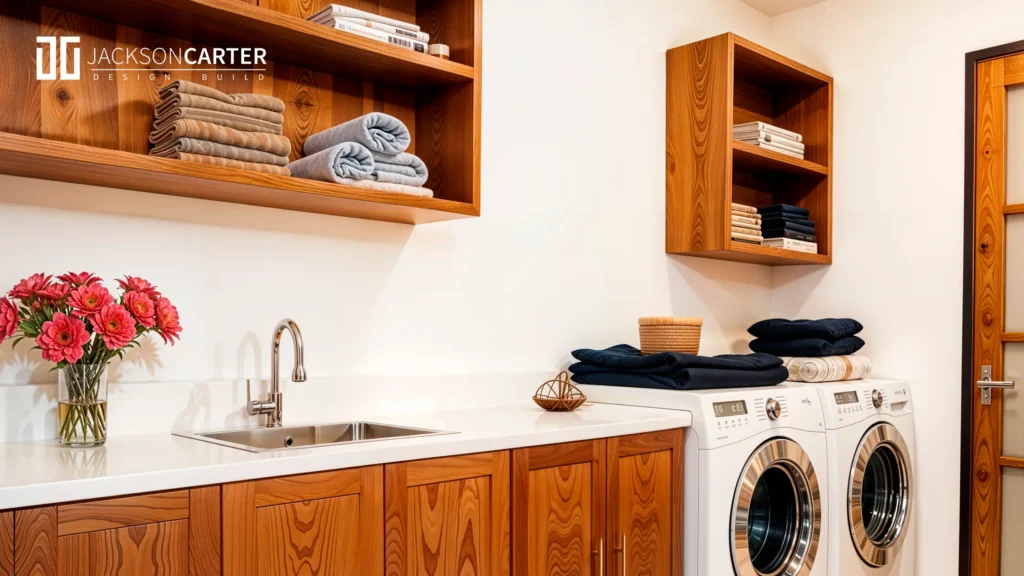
x,y
828,368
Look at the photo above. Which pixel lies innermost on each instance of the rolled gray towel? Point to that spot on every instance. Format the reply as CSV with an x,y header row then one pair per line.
x,y
376,131
401,168
348,160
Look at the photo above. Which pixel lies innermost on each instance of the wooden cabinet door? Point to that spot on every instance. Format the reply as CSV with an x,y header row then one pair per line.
x,y
147,535
448,516
558,509
322,524
6,543
645,504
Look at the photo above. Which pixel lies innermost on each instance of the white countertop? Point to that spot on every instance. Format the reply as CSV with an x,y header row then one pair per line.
x,y
40,473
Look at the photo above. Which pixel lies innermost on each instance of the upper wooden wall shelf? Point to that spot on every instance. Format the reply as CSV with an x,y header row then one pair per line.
x,y
95,130
288,39
713,85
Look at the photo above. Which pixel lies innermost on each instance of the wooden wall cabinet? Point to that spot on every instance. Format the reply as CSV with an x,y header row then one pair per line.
x,y
165,534
327,523
600,507
95,130
448,516
713,85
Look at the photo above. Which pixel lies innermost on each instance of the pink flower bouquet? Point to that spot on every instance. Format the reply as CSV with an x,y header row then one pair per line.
x,y
80,326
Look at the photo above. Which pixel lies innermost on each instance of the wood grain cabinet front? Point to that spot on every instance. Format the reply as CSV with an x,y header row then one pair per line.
x,y
322,524
165,534
449,516
600,507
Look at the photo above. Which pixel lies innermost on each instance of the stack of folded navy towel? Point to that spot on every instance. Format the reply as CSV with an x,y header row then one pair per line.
x,y
624,365
786,221
807,338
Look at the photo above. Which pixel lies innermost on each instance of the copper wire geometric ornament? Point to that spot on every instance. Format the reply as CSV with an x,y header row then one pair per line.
x,y
559,395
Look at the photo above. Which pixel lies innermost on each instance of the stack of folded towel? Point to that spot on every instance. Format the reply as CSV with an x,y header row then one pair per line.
x,y
746,224
197,123
624,365
814,350
367,152
788,227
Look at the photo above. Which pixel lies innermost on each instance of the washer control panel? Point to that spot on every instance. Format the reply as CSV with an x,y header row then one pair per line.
x,y
847,403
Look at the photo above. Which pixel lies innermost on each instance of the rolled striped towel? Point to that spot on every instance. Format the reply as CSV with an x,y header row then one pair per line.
x,y
828,368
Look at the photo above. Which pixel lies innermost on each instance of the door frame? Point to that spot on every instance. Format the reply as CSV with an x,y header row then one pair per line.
x,y
967,390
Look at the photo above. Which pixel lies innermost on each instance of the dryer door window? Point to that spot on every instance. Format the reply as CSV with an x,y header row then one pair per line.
x,y
776,516
880,497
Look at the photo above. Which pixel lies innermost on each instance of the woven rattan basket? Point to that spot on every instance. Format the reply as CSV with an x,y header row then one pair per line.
x,y
667,334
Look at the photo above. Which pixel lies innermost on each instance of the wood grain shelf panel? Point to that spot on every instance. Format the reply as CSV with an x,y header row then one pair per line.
x,y
764,255
287,39
750,158
51,160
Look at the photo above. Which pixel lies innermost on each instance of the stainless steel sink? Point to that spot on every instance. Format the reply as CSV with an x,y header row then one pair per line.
x,y
293,437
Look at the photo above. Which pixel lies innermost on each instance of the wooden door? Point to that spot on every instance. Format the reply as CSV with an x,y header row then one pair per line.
x,y
322,524
165,534
448,516
645,504
996,268
558,509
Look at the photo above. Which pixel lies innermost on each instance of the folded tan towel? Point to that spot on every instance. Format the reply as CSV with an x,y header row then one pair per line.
x,y
204,103
216,161
220,134
214,117
745,226
205,148
744,236
388,187
253,100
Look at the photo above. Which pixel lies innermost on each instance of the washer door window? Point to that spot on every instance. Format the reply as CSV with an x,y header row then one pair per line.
x,y
879,499
776,514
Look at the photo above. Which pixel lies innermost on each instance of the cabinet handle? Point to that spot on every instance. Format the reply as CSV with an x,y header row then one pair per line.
x,y
622,550
600,557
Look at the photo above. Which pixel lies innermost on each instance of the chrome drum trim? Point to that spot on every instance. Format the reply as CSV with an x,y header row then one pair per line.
x,y
787,456
882,436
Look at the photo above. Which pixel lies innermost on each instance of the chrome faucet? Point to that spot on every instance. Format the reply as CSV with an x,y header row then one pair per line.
x,y
272,406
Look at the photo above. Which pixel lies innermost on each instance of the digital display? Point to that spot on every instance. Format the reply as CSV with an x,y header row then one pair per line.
x,y
726,409
846,398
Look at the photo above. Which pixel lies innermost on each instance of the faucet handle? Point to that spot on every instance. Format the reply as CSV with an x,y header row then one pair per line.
x,y
250,406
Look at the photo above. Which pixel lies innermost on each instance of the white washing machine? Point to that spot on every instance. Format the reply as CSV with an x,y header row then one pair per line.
x,y
870,431
755,478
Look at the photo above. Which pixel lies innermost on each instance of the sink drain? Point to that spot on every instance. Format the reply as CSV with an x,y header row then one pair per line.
x,y
288,442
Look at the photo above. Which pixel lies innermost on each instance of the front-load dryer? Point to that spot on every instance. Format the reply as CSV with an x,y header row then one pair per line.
x,y
870,432
755,469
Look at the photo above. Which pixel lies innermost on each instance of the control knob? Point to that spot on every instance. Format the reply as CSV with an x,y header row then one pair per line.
x,y
773,409
876,398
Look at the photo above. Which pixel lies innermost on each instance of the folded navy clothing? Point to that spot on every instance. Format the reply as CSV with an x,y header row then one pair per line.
x,y
688,379
784,209
779,220
808,347
831,329
625,358
793,234
779,227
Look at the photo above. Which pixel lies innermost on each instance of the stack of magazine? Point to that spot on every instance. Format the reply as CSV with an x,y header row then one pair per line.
x,y
770,138
374,26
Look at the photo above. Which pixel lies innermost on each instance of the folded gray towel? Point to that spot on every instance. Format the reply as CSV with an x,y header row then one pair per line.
x,y
214,117
180,100
348,160
401,168
253,100
376,131
211,132
206,148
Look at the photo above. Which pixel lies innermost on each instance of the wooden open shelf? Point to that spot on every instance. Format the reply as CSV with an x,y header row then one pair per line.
x,y
713,85
95,130
64,162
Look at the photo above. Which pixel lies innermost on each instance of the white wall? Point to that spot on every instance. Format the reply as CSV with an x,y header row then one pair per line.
x,y
569,251
898,212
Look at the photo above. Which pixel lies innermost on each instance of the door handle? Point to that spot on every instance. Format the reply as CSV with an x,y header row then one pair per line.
x,y
987,384
622,550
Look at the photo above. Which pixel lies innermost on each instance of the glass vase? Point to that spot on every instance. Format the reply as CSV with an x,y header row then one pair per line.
x,y
82,400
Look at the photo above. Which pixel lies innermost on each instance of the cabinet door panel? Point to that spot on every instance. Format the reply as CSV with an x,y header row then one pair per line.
x,y
558,495
149,550
6,543
312,537
449,516
645,504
